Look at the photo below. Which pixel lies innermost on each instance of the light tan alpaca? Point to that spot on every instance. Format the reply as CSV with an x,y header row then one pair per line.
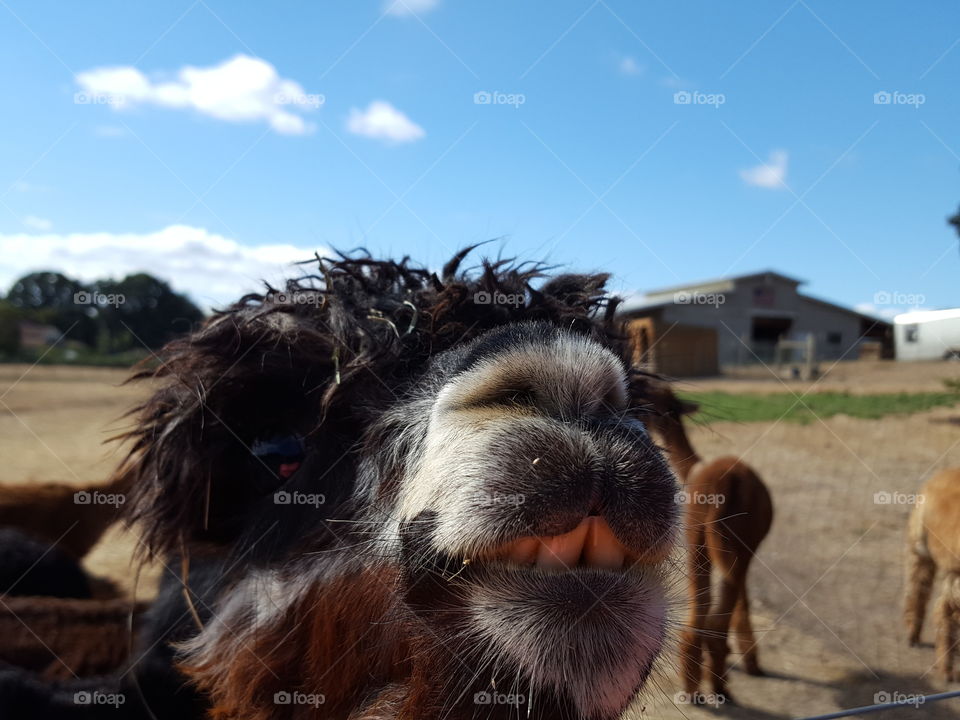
x,y
933,537
728,512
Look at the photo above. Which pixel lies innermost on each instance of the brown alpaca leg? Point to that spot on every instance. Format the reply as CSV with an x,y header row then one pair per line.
x,y
746,642
692,637
718,625
947,612
920,574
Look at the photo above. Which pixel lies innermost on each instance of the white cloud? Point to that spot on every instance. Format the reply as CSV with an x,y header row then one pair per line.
x,y
409,7
212,269
383,121
36,223
772,174
241,89
630,66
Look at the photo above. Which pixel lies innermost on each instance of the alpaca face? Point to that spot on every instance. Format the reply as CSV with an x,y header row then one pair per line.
x,y
493,517
532,515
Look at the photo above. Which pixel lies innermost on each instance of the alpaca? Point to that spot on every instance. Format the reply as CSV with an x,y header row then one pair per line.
x,y
69,659
728,514
470,522
397,495
30,567
50,621
933,536
65,638
72,517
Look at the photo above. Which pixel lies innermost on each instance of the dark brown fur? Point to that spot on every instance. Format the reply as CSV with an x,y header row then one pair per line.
x,y
336,621
66,638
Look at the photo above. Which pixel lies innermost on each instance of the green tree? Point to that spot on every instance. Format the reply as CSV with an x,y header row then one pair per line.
x,y
143,310
44,289
9,329
53,298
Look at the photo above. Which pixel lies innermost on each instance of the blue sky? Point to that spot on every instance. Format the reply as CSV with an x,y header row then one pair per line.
x,y
211,142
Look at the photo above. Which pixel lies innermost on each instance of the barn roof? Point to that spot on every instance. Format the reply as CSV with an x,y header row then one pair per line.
x,y
729,280
662,297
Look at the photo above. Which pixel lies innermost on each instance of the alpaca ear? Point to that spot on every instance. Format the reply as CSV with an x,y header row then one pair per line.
x,y
688,407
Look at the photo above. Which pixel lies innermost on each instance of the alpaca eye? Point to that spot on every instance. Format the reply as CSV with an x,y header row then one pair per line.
x,y
282,454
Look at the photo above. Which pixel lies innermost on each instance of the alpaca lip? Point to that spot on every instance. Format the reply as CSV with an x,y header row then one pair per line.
x,y
591,544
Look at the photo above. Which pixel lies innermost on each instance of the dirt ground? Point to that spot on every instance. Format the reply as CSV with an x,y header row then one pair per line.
x,y
826,585
55,423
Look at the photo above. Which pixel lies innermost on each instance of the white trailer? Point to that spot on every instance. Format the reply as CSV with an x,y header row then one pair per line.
x,y
927,335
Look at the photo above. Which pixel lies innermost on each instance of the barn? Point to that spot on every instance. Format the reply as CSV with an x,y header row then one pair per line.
x,y
696,329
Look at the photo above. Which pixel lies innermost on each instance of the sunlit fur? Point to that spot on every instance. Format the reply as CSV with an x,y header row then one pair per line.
x,y
933,537
728,512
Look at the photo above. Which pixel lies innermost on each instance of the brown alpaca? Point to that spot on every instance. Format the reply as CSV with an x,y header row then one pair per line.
x,y
72,517
728,513
933,538
65,638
